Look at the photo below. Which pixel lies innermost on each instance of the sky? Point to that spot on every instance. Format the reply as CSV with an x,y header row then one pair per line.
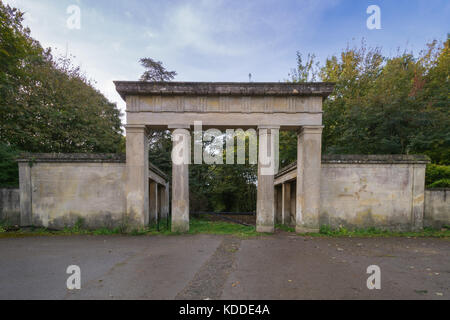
x,y
223,40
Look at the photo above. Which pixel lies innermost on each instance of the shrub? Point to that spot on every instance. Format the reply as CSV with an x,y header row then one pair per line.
x,y
437,176
9,170
443,183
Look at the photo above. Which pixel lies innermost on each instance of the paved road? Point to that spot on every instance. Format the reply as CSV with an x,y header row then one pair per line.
x,y
282,266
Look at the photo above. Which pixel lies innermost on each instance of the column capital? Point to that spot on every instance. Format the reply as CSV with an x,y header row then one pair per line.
x,y
268,127
179,126
310,130
262,130
136,128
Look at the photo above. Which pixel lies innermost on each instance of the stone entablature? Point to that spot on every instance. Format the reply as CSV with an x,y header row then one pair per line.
x,y
136,88
219,105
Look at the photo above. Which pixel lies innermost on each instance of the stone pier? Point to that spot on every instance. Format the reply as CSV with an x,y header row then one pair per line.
x,y
308,182
137,185
181,156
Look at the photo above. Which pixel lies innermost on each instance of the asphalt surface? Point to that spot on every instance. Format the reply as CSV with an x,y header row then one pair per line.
x,y
282,266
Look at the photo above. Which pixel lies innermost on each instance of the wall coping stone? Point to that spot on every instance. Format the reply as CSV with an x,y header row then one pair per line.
x,y
132,88
72,157
364,159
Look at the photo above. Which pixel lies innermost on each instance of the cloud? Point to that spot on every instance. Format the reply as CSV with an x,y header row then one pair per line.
x,y
207,40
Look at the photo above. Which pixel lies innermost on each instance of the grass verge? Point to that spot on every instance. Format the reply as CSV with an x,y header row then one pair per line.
x,y
197,226
203,225
326,231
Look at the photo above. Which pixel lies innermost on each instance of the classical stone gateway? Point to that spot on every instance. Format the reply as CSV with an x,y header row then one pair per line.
x,y
262,106
57,190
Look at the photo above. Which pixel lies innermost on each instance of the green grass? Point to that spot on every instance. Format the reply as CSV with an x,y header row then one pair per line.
x,y
197,226
326,231
285,228
204,225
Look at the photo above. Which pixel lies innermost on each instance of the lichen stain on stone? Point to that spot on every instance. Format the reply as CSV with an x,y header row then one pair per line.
x,y
369,202
419,199
367,218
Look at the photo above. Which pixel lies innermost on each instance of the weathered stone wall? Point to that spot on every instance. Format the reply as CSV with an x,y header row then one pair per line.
x,y
386,192
437,208
370,195
61,190
10,206
66,193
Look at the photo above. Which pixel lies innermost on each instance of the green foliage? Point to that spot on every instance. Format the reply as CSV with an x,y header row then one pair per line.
x,y
288,147
213,188
305,72
9,170
384,105
205,226
224,188
197,226
58,110
155,71
160,150
442,183
435,174
48,105
327,231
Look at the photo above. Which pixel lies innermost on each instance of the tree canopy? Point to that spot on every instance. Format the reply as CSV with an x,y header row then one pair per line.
x,y
155,71
47,104
382,105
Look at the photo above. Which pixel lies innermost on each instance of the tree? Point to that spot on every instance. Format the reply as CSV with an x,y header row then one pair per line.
x,y
156,72
47,104
384,105
308,71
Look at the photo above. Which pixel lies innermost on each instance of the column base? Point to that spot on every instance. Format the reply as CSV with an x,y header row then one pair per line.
x,y
180,227
263,229
303,230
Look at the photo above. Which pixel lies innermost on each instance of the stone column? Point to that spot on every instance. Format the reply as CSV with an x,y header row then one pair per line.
x,y
154,199
267,168
309,163
286,204
26,218
181,156
137,182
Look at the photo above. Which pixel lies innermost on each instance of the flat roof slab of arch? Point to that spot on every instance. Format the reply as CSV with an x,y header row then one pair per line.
x,y
230,105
